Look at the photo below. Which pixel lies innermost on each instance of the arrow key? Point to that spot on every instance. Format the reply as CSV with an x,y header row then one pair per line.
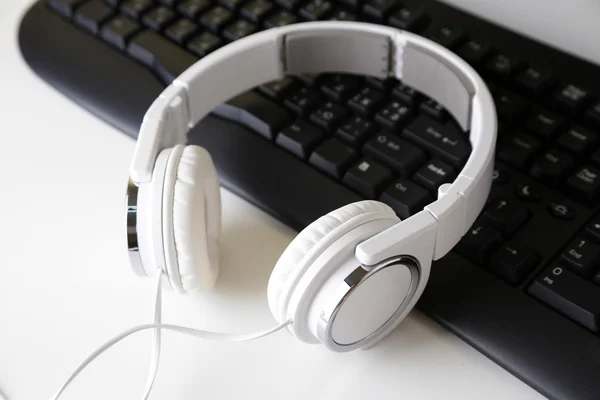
x,y
512,262
479,242
507,215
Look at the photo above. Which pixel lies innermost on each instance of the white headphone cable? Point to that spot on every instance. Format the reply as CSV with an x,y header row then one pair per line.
x,y
155,352
157,327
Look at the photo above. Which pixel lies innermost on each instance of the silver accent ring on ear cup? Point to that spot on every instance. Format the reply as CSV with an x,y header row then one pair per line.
x,y
350,284
131,203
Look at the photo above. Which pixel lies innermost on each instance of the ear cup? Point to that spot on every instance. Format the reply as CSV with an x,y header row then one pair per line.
x,y
193,248
310,243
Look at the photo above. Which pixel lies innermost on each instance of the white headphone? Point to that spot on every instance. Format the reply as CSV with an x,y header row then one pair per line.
x,y
350,277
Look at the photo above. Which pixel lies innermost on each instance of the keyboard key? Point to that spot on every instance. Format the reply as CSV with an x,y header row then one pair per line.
x,y
368,178
519,150
395,153
406,94
289,4
316,9
65,7
181,30
409,19
593,230
384,85
339,87
277,89
353,4
166,58
379,9
257,10
561,210
535,81
479,243
329,116
310,79
433,174
193,8
529,192
216,18
448,36
578,140
168,3
406,198
367,101
92,14
135,8
158,18
582,256
280,18
443,140
342,15
503,66
474,52
510,107
596,278
593,114
233,5
552,166
205,43
568,293
434,109
333,157
513,262
255,112
545,124
118,30
500,176
585,183
507,215
356,131
239,29
302,100
394,116
572,98
299,138
596,158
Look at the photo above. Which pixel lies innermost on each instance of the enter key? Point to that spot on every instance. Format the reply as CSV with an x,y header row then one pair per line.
x,y
570,294
444,140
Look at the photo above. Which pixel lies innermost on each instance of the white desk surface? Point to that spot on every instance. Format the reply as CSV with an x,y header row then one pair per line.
x,y
66,286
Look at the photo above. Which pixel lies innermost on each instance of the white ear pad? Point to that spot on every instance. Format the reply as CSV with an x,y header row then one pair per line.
x,y
191,219
310,243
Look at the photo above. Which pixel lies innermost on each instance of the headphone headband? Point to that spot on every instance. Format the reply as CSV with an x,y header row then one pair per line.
x,y
340,47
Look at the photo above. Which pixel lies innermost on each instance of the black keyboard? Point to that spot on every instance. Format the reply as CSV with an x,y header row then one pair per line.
x,y
523,285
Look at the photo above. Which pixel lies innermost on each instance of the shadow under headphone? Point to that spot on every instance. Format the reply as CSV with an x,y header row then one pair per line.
x,y
350,277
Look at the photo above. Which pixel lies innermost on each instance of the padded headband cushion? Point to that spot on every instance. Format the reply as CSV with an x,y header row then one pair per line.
x,y
196,219
309,244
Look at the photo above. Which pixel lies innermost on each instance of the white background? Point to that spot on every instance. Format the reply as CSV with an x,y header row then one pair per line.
x,y
66,286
